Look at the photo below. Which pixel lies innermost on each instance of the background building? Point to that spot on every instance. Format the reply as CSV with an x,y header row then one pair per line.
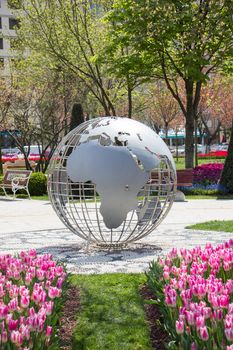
x,y
8,23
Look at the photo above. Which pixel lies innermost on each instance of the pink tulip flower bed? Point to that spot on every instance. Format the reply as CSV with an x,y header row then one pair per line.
x,y
30,298
194,289
207,173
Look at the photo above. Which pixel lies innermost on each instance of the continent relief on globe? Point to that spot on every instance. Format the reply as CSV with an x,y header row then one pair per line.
x,y
116,174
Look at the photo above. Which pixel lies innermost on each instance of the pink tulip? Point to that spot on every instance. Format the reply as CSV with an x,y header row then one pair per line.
x,y
200,322
16,275
60,282
59,270
229,333
40,274
207,312
13,304
54,292
3,311
204,335
2,291
224,301
4,337
190,318
25,331
13,324
16,338
48,331
28,278
49,307
32,253
24,301
166,275
230,308
17,317
183,252
179,327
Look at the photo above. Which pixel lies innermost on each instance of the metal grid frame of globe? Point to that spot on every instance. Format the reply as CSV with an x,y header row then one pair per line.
x,y
78,204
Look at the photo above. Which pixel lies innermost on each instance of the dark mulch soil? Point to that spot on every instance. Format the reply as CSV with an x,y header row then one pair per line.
x,y
158,335
68,319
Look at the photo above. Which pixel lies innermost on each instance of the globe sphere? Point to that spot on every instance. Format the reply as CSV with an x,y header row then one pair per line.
x,y
112,180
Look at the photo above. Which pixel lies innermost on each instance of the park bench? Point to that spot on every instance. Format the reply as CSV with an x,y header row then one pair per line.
x,y
17,164
184,179
16,180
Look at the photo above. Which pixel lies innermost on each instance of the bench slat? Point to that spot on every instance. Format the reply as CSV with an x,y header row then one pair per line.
x,y
185,177
16,180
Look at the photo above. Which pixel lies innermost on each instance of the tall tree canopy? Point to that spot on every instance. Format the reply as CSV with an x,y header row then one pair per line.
x,y
177,39
70,34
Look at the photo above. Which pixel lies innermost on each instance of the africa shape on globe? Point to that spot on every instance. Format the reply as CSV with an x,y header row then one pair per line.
x,y
117,155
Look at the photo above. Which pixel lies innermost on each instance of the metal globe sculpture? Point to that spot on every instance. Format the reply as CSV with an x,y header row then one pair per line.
x,y
112,180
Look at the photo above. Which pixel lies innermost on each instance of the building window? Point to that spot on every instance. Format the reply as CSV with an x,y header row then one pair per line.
x,y
1,43
0,22
13,23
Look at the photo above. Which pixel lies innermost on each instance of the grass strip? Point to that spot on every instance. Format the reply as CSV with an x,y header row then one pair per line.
x,y
180,163
112,316
208,196
215,225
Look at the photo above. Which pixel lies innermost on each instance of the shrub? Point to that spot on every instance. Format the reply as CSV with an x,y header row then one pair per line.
x,y
194,291
207,174
37,184
199,189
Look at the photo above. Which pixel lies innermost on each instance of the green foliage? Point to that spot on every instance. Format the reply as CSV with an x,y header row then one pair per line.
x,y
112,315
201,191
70,35
37,184
14,4
182,37
181,42
215,225
155,283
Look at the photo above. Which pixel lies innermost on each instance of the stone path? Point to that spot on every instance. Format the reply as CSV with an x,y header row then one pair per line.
x,y
26,224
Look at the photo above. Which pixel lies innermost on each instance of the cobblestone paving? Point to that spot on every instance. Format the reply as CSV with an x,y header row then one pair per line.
x,y
29,224
79,258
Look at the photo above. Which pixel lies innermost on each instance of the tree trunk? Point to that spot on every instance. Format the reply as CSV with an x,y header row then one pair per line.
x,y
1,167
27,164
189,148
195,141
226,177
166,133
77,116
130,103
189,125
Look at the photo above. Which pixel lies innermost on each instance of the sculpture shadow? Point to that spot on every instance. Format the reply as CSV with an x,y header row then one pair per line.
x,y
78,255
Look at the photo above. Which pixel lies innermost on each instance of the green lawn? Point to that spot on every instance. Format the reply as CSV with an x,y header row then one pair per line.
x,y
180,164
112,315
25,196
225,226
188,197
208,196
